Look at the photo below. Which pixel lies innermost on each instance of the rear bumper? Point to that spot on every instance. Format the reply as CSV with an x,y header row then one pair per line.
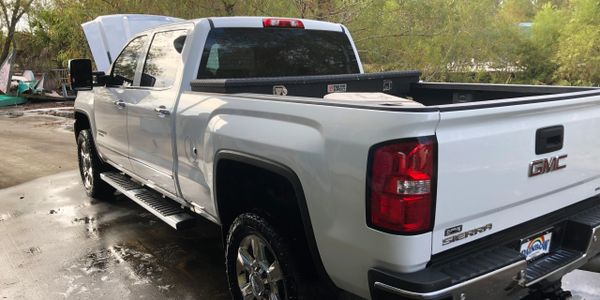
x,y
498,272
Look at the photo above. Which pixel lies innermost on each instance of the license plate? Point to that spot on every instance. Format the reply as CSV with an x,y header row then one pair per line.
x,y
536,246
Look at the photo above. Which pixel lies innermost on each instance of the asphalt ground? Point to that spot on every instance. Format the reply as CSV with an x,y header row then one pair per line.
x,y
57,243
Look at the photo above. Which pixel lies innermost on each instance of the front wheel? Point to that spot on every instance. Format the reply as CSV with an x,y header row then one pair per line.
x,y
258,261
90,166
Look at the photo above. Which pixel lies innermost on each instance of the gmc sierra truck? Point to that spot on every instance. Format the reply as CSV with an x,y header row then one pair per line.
x,y
328,180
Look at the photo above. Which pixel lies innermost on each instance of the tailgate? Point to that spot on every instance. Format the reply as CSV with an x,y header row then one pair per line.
x,y
490,177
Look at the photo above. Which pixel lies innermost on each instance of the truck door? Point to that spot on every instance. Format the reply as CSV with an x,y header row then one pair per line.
x,y
111,101
149,119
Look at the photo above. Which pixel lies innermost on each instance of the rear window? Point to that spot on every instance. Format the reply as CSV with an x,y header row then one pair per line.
x,y
272,52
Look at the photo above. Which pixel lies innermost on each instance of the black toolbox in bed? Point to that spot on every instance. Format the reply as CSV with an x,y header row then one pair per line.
x,y
393,83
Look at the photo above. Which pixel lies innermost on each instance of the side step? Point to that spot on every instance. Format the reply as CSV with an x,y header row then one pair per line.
x,y
165,209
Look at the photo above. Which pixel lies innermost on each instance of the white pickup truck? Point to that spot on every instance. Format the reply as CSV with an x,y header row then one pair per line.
x,y
324,179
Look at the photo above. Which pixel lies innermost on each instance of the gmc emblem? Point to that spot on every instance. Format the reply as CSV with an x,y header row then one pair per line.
x,y
546,165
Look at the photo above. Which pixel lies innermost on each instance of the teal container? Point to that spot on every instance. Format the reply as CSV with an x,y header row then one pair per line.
x,y
6,100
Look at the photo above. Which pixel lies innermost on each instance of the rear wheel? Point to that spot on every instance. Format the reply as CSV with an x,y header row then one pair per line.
x,y
258,262
90,167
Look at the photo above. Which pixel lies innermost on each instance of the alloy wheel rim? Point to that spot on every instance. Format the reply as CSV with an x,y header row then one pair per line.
x,y
258,271
86,167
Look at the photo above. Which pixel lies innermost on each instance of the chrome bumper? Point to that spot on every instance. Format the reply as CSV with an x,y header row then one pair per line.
x,y
509,281
489,286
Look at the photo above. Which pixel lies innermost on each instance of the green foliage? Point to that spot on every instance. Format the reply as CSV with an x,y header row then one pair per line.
x,y
58,31
441,38
537,52
518,10
11,12
578,53
448,40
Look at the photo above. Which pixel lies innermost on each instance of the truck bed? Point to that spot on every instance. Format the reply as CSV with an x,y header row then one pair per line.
x,y
405,84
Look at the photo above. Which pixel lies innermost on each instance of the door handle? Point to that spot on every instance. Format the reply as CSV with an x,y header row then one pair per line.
x,y
120,104
162,111
549,139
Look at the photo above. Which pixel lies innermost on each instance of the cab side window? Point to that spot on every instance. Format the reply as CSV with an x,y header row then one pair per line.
x,y
124,67
164,59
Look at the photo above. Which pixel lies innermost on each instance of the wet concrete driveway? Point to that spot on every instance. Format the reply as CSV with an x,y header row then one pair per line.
x,y
55,243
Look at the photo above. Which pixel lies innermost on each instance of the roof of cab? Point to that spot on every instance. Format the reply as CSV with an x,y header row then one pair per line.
x,y
255,22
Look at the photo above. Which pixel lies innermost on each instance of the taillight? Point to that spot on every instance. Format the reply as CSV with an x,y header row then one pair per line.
x,y
282,23
401,182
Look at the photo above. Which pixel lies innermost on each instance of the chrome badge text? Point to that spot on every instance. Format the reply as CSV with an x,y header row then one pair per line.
x,y
547,165
466,234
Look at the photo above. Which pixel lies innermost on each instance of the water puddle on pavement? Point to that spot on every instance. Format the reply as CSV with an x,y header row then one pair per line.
x,y
4,217
10,215
124,265
91,225
34,251
92,219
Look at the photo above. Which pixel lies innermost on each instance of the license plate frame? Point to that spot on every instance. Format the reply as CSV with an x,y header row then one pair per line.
x,y
537,245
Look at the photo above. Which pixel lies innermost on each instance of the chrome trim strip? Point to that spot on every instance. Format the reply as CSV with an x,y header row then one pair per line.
x,y
448,290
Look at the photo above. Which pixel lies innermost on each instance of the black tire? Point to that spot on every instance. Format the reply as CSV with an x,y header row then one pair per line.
x,y
247,226
90,167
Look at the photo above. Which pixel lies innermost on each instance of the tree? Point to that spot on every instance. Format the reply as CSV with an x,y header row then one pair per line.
x,y
518,10
12,12
539,53
579,46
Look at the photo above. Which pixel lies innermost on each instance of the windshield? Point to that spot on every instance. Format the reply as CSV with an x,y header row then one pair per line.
x,y
272,52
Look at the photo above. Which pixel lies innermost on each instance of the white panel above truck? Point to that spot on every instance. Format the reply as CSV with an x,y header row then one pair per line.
x,y
107,35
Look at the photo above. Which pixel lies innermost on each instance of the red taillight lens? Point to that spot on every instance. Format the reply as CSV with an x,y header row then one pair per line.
x,y
401,182
282,23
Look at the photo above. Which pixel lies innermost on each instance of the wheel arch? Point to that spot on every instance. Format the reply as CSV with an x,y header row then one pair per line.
x,y
82,121
290,176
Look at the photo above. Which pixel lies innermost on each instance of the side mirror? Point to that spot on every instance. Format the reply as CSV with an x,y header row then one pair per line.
x,y
80,74
147,80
